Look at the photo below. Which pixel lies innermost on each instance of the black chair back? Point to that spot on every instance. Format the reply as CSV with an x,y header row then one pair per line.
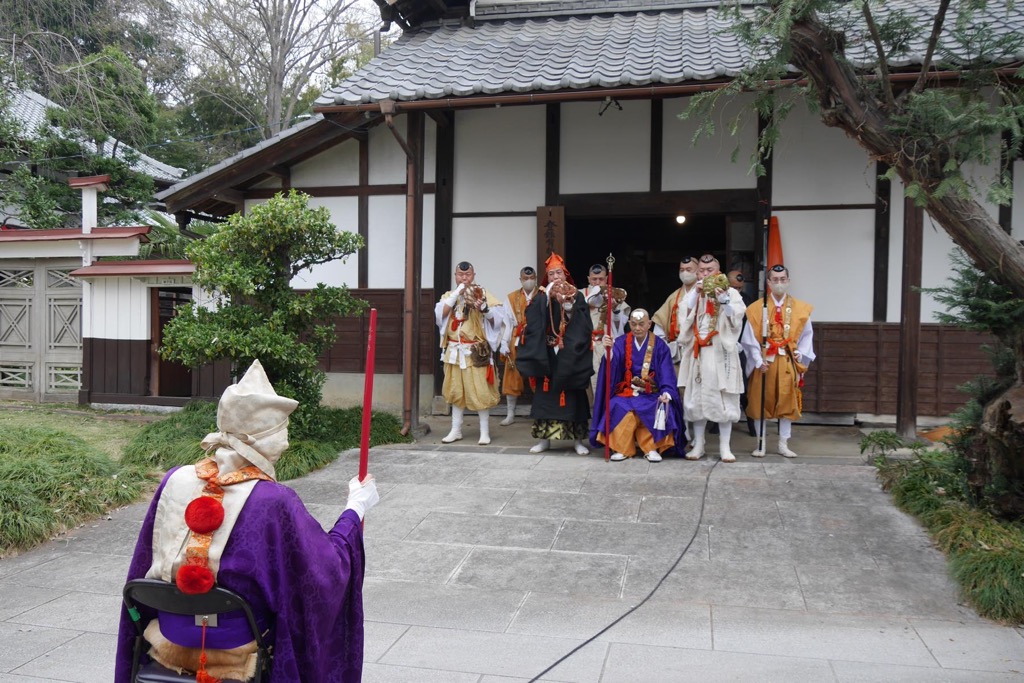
x,y
166,597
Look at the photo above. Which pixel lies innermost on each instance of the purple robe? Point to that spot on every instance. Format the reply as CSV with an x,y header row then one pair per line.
x,y
305,582
645,405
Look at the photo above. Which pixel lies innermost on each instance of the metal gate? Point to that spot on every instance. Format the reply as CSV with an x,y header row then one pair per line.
x,y
40,330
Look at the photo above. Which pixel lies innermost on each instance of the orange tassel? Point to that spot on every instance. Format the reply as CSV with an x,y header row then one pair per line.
x,y
490,374
561,399
533,384
202,676
546,384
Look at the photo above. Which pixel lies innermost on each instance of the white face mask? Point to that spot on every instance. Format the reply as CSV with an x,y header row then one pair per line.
x,y
567,305
687,278
529,285
779,288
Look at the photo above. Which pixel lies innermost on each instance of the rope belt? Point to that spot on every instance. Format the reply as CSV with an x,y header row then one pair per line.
x,y
699,343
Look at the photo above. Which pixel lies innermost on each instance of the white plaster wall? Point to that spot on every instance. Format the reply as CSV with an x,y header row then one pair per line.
x,y
387,159
338,165
345,390
386,252
607,153
119,309
1017,214
70,248
497,248
815,164
707,164
499,159
829,254
345,216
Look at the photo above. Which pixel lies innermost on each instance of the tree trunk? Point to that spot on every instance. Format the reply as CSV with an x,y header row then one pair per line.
x,y
847,103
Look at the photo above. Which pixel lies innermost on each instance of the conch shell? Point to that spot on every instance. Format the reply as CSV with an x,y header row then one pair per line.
x,y
562,291
714,282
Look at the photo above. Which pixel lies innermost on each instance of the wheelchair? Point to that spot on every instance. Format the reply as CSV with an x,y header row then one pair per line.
x,y
166,597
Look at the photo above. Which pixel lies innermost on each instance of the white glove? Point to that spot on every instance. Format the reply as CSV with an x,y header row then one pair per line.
x,y
362,496
503,348
723,298
451,300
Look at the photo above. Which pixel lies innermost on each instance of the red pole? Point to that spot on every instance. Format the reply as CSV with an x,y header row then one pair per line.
x,y
371,348
609,303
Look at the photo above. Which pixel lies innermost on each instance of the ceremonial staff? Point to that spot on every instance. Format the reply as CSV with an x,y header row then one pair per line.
x,y
608,302
364,443
762,437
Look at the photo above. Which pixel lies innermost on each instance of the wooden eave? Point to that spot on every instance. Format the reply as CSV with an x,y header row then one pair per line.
x,y
222,192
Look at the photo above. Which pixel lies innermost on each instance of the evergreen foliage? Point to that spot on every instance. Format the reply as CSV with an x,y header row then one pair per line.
x,y
249,263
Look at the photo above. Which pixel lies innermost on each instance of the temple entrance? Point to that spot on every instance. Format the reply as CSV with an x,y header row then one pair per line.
x,y
647,250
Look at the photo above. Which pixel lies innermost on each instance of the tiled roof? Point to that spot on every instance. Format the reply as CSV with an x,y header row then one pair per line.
x,y
593,48
29,108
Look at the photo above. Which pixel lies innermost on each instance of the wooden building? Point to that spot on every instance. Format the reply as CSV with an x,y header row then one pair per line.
x,y
495,131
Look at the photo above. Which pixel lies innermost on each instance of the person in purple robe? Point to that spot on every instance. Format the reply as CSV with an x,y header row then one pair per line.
x,y
226,521
645,407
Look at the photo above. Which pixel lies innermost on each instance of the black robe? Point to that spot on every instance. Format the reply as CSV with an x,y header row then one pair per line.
x,y
568,371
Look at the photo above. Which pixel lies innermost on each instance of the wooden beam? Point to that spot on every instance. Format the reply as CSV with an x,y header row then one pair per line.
x,y
230,195
552,153
910,321
658,203
444,197
657,142
341,190
883,201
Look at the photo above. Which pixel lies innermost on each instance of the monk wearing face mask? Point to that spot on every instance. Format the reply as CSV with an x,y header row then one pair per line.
x,y
790,349
512,385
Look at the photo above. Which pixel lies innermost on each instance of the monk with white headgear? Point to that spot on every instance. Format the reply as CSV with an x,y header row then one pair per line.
x,y
226,521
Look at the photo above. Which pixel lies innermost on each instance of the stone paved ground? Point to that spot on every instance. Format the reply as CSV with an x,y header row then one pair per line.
x,y
487,564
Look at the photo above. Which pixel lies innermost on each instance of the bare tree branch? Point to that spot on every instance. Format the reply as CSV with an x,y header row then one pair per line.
x,y
933,41
883,59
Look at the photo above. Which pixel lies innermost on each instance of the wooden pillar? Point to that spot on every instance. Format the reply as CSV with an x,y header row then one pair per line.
x,y
552,155
657,143
764,212
413,271
444,196
883,202
910,321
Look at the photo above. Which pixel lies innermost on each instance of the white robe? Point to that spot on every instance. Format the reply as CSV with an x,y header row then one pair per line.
x,y
711,384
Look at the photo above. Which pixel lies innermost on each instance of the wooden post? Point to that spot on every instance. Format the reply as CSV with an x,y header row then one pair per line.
x,y
413,269
910,321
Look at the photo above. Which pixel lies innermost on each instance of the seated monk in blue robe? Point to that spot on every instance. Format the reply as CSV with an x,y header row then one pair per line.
x,y
643,383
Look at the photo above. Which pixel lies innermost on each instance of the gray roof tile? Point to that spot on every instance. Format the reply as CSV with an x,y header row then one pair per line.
x,y
537,49
29,109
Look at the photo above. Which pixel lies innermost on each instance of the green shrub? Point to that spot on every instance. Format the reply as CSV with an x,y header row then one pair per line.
x,y
51,481
986,554
316,436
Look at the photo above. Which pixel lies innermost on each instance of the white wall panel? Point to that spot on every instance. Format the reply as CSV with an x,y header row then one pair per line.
x,y
345,216
387,158
430,151
815,164
338,165
497,248
119,309
386,251
707,164
607,153
829,254
499,159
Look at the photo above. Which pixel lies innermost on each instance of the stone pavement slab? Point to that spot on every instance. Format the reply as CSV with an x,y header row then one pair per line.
x,y
487,564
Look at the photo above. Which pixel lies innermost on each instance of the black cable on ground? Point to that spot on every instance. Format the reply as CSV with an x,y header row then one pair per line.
x,y
588,641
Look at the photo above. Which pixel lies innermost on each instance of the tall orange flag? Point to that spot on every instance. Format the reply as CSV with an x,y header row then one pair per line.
x,y
774,243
